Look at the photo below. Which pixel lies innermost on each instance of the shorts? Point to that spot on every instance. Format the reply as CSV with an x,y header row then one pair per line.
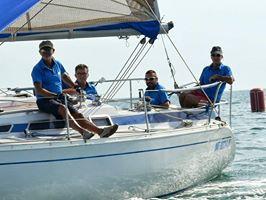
x,y
200,95
51,106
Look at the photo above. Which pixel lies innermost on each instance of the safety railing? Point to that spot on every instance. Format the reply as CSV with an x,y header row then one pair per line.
x,y
131,99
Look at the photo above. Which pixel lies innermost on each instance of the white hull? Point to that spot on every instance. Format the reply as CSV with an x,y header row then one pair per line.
x,y
141,165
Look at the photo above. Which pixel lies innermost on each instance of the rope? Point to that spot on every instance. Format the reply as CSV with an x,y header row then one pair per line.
x,y
115,85
117,77
127,70
26,22
182,58
172,69
120,84
132,71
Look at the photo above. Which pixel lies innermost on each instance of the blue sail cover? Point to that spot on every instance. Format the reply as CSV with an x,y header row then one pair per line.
x,y
80,18
12,9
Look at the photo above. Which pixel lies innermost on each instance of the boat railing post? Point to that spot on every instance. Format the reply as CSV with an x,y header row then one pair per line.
x,y
214,102
145,111
67,117
230,105
131,95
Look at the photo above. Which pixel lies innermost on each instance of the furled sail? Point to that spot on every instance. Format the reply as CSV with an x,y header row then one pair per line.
x,y
58,19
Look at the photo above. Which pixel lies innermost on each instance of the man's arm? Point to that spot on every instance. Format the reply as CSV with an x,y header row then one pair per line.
x,y
228,79
66,78
43,92
166,104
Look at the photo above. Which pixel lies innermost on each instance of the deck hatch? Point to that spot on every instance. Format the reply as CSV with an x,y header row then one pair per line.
x,y
5,128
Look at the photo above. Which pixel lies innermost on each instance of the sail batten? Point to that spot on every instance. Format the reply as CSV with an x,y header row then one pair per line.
x,y
79,17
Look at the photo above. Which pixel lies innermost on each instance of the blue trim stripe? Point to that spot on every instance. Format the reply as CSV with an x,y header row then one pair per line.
x,y
157,118
110,155
148,28
138,119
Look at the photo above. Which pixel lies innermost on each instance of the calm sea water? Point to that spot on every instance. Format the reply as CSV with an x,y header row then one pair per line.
x,y
245,178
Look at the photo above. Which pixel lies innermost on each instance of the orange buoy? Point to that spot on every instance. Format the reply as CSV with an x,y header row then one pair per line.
x,y
257,100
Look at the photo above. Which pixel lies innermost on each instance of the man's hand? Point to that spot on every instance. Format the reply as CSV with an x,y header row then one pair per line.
x,y
148,99
78,89
70,91
227,79
215,78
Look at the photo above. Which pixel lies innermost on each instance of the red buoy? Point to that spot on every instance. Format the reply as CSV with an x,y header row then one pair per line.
x,y
257,100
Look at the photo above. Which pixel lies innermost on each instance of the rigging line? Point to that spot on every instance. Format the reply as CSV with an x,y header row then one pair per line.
x,y
106,100
128,68
107,93
180,55
132,71
118,86
128,6
86,9
30,19
182,58
172,69
117,77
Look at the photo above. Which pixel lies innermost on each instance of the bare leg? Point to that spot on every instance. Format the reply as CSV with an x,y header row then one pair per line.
x,y
84,123
73,124
182,97
191,101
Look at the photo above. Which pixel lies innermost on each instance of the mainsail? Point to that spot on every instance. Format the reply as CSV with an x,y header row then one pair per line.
x,y
58,19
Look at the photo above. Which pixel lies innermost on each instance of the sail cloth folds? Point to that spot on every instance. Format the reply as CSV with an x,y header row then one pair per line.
x,y
79,18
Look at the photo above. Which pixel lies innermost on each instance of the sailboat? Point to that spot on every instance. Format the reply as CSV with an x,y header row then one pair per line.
x,y
155,151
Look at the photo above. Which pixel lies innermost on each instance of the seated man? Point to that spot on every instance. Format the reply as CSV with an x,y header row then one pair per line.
x,y
47,76
210,74
156,98
82,74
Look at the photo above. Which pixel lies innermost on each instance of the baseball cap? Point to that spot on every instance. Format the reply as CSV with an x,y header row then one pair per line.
x,y
217,50
46,43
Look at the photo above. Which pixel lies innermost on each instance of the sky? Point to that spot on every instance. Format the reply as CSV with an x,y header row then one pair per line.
x,y
238,26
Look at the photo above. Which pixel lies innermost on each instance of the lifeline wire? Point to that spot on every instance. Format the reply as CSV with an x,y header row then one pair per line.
x,y
127,70
117,77
114,85
93,110
133,70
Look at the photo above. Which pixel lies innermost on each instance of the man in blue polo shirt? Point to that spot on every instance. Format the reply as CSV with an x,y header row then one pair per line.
x,y
82,74
156,98
217,71
47,76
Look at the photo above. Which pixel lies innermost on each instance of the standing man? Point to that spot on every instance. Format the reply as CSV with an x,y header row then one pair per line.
x,y
47,76
157,98
217,71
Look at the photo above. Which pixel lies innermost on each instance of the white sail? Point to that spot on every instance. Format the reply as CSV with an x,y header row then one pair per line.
x,y
86,18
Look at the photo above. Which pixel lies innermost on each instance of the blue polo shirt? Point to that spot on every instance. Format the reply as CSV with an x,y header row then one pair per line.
x,y
207,73
50,78
157,97
90,91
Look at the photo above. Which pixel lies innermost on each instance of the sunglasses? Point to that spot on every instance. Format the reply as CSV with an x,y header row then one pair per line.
x,y
80,73
46,50
216,55
150,79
